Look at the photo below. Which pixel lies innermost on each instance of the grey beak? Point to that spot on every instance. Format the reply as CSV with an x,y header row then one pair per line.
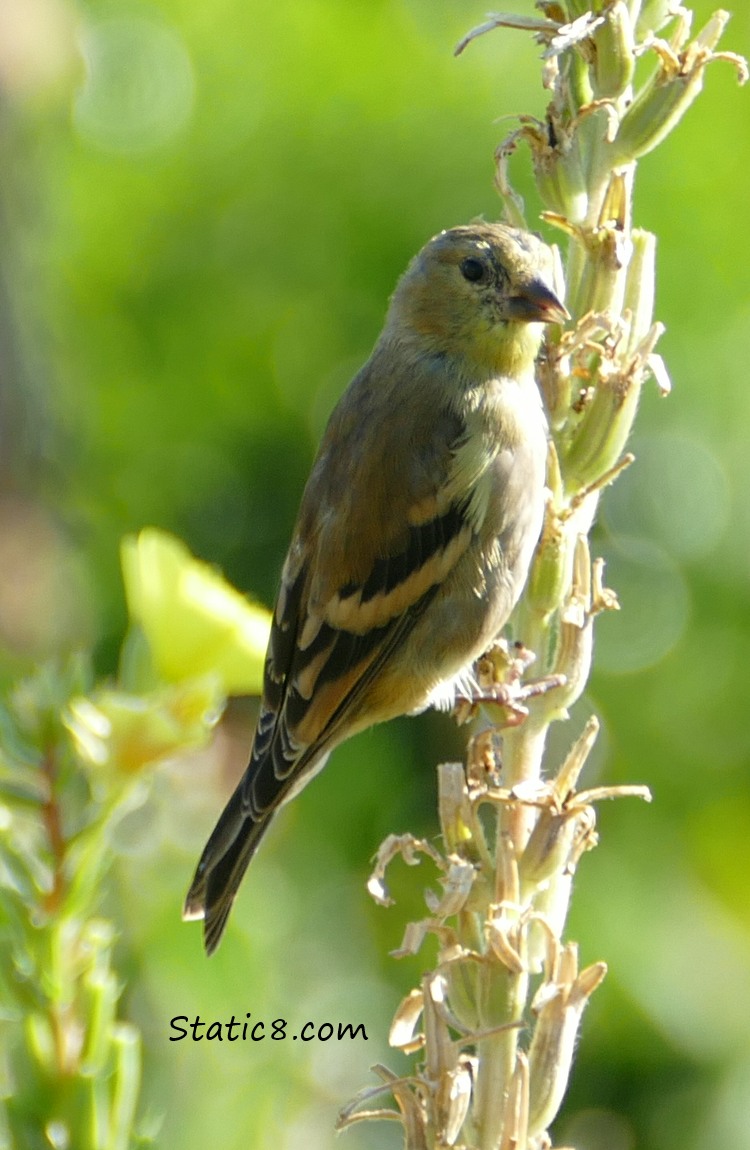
x,y
536,303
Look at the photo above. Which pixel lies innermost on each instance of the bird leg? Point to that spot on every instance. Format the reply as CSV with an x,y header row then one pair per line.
x,y
498,678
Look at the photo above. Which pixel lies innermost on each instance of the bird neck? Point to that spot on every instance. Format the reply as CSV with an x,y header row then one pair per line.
x,y
494,352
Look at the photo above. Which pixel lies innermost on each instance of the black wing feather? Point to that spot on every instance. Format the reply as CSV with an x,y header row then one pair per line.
x,y
276,763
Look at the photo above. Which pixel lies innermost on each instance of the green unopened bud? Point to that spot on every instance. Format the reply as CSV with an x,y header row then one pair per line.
x,y
548,576
552,903
657,109
549,848
600,287
553,373
614,60
575,642
464,980
640,285
547,581
546,179
653,15
127,1080
601,435
100,1000
664,100
559,1005
577,85
560,177
573,184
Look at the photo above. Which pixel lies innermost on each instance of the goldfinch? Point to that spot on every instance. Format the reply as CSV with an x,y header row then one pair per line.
x,y
415,532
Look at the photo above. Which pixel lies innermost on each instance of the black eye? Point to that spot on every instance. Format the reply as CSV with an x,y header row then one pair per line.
x,y
473,270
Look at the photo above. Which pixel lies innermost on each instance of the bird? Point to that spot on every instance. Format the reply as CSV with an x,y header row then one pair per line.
x,y
415,531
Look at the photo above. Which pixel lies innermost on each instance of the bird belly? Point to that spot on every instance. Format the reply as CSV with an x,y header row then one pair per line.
x,y
470,609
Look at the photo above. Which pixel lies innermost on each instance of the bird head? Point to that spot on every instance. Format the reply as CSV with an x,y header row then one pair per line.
x,y
480,292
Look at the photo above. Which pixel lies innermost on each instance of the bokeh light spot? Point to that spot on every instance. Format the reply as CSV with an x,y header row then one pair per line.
x,y
139,91
677,493
655,605
599,1130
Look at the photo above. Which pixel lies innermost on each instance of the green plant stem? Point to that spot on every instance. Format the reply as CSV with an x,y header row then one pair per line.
x,y
51,817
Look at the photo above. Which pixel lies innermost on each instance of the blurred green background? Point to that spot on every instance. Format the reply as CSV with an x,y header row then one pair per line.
x,y
203,210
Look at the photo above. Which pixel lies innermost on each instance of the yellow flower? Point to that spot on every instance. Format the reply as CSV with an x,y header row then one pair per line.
x,y
130,732
194,621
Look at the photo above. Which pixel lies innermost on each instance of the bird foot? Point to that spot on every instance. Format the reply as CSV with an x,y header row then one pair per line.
x,y
499,687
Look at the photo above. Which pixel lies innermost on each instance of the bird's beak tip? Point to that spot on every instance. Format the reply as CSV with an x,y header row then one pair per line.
x,y
557,313
537,303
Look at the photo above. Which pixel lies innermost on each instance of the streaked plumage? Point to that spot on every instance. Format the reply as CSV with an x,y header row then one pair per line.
x,y
415,531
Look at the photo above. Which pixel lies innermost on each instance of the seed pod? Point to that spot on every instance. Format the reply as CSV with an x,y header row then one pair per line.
x,y
614,56
664,100
559,1007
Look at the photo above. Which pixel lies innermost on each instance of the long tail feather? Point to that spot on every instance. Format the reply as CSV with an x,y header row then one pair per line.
x,y
222,865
